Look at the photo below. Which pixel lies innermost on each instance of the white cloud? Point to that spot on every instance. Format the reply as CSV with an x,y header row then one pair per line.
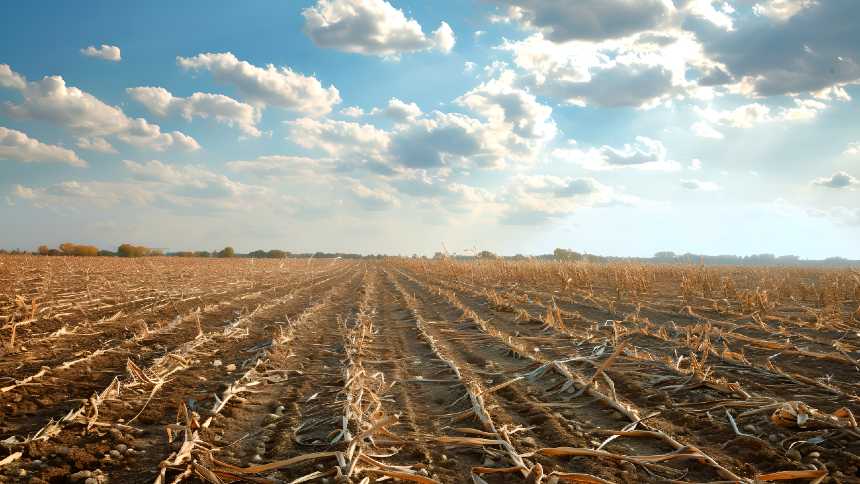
x,y
399,111
853,149
705,130
105,52
95,144
696,164
188,185
750,115
838,180
371,27
308,169
705,9
372,199
705,186
352,112
469,66
561,21
50,99
223,109
347,141
501,103
782,10
645,154
642,70
11,79
533,199
278,86
15,145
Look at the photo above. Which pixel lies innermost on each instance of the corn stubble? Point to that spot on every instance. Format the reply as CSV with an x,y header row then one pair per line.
x,y
410,370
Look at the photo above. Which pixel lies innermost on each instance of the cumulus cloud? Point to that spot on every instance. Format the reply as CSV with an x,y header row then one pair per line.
x,y
372,199
73,194
501,103
95,144
352,112
105,52
782,10
345,140
704,186
644,154
853,149
371,27
194,184
561,20
750,115
309,169
534,199
399,111
223,109
816,48
641,70
277,86
50,99
17,146
838,180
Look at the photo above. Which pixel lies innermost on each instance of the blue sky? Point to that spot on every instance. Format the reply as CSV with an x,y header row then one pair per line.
x,y
518,126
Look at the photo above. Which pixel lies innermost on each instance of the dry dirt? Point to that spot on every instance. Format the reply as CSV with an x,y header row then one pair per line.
x,y
162,370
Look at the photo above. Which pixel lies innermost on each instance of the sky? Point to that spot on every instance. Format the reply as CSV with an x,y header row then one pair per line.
x,y
615,127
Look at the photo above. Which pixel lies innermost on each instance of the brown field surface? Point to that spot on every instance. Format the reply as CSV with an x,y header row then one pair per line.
x,y
405,370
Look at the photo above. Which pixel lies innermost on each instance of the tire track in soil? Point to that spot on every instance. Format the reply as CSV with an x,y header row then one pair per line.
x,y
311,412
427,392
524,403
84,452
581,413
710,435
54,350
28,408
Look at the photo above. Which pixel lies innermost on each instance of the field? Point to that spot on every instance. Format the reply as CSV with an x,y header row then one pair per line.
x,y
406,370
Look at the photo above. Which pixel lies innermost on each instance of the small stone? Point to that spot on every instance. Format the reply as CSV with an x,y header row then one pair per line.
x,y
793,454
216,363
80,475
257,458
444,458
751,428
115,454
37,463
91,480
22,472
231,367
280,410
121,448
813,455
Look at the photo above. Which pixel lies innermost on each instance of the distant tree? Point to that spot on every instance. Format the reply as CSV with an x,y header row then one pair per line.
x,y
565,254
278,254
106,253
665,255
227,252
202,253
486,254
44,250
68,248
258,254
129,250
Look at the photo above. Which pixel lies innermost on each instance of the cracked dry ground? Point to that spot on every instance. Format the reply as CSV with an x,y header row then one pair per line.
x,y
402,371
